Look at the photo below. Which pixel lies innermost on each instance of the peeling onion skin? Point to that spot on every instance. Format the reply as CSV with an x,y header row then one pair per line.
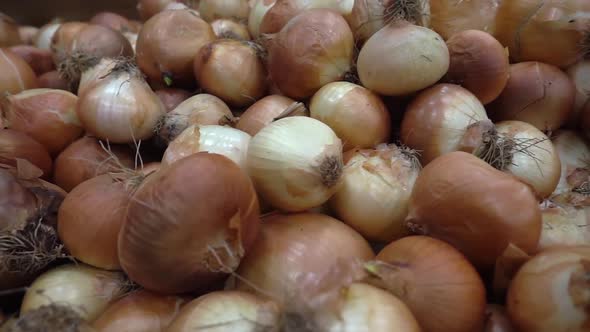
x,y
496,208
17,75
537,93
564,225
297,65
16,144
479,63
550,292
448,17
173,211
417,58
580,76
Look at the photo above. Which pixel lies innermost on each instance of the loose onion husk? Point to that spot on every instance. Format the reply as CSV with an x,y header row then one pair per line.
x,y
562,275
537,93
208,234
496,208
49,116
231,70
376,189
563,225
417,54
266,110
41,61
171,98
580,74
226,141
479,63
214,9
164,53
297,66
448,17
294,172
230,29
17,75
16,145
140,311
455,302
9,34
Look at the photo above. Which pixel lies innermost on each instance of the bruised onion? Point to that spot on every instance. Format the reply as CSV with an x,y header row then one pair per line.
x,y
456,301
214,9
112,20
295,62
564,225
537,93
550,292
448,17
231,70
230,29
266,110
41,61
16,145
579,74
172,97
496,208
185,244
414,53
9,33
17,75
165,53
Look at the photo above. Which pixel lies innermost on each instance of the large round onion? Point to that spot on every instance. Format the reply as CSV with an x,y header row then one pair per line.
x,y
189,224
16,145
17,75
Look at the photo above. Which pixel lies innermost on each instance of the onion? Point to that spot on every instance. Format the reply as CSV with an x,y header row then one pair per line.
x,y
579,74
231,70
202,109
376,190
448,17
414,53
15,145
214,9
92,71
537,93
574,154
442,119
266,110
9,34
295,172
226,141
171,98
41,61
297,65
497,320
496,208
63,38
85,159
227,310
562,304
151,167
299,257
479,63
17,75
90,219
439,285
230,29
140,311
564,225
28,34
45,36
165,53
358,116
149,8
53,80
121,107
257,12
48,116
51,317
527,27
189,242
84,289
113,21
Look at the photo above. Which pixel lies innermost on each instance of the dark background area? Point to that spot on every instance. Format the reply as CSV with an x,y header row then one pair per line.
x,y
39,12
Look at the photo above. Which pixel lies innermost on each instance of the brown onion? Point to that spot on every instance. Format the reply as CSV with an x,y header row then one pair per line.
x,y
580,76
550,292
265,111
479,63
187,243
537,93
297,65
496,208
497,320
172,97
165,53
9,34
230,29
87,158
448,17
53,80
45,36
113,21
232,70
17,75
439,285
214,9
16,145
528,27
41,61
564,225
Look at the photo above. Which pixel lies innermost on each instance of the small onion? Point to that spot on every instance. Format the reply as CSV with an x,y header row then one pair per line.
x,y
497,320
495,208
417,57
579,74
564,225
165,53
85,289
537,93
265,111
45,35
49,116
574,154
375,193
479,63
358,116
16,145
439,285
448,17
191,241
297,65
231,70
9,34
214,9
295,172
63,38
17,75
41,61
201,109
172,97
100,42
229,311
230,29
85,159
112,20
225,141
550,292
53,80
140,311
